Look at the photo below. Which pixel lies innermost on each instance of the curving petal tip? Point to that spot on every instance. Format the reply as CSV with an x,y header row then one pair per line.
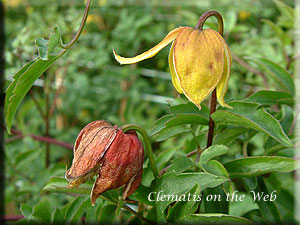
x,y
151,52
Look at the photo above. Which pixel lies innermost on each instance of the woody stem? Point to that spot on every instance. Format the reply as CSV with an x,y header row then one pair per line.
x,y
213,102
147,144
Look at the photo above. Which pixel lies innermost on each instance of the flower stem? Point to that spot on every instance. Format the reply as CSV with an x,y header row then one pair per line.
x,y
147,143
213,102
75,38
208,14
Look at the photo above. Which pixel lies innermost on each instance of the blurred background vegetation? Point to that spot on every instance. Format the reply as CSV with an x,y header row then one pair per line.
x,y
88,84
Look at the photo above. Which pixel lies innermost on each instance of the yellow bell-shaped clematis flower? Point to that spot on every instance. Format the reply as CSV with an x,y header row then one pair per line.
x,y
199,62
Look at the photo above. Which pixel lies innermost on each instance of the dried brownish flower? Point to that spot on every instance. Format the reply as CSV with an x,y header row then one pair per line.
x,y
116,157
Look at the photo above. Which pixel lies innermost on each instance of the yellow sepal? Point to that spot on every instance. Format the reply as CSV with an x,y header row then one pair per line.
x,y
199,62
151,52
174,76
223,83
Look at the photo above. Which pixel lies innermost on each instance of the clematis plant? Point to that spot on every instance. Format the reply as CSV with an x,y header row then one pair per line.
x,y
199,61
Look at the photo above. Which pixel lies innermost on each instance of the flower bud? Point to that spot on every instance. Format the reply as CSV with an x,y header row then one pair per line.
x,y
104,150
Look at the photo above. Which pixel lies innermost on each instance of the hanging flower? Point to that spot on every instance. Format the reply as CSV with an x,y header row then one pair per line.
x,y
199,62
104,150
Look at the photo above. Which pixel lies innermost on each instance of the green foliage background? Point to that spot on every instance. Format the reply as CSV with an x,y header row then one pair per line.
x,y
260,35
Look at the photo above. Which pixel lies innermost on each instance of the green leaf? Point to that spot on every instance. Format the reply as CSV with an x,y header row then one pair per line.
x,y
268,208
54,39
250,182
250,115
160,124
258,165
181,114
107,215
119,206
228,135
11,87
239,208
58,217
169,121
45,47
212,152
184,208
43,211
214,201
278,74
23,81
215,218
190,108
26,210
181,164
169,132
76,209
112,195
181,119
176,184
141,194
271,97
42,45
217,168
59,184
92,215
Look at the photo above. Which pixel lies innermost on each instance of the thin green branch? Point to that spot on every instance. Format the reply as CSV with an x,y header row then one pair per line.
x,y
75,38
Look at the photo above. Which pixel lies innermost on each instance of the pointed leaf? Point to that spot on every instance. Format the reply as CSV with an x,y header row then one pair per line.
x,y
189,108
76,209
45,47
265,97
26,210
42,45
169,132
258,165
279,74
43,211
212,152
58,217
217,168
249,115
60,184
23,81
228,135
180,119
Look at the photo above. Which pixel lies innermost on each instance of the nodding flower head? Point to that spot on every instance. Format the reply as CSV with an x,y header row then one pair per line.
x,y
115,157
199,62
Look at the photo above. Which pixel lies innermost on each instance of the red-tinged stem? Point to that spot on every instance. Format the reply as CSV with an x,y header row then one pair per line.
x,y
211,125
12,217
213,103
42,139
